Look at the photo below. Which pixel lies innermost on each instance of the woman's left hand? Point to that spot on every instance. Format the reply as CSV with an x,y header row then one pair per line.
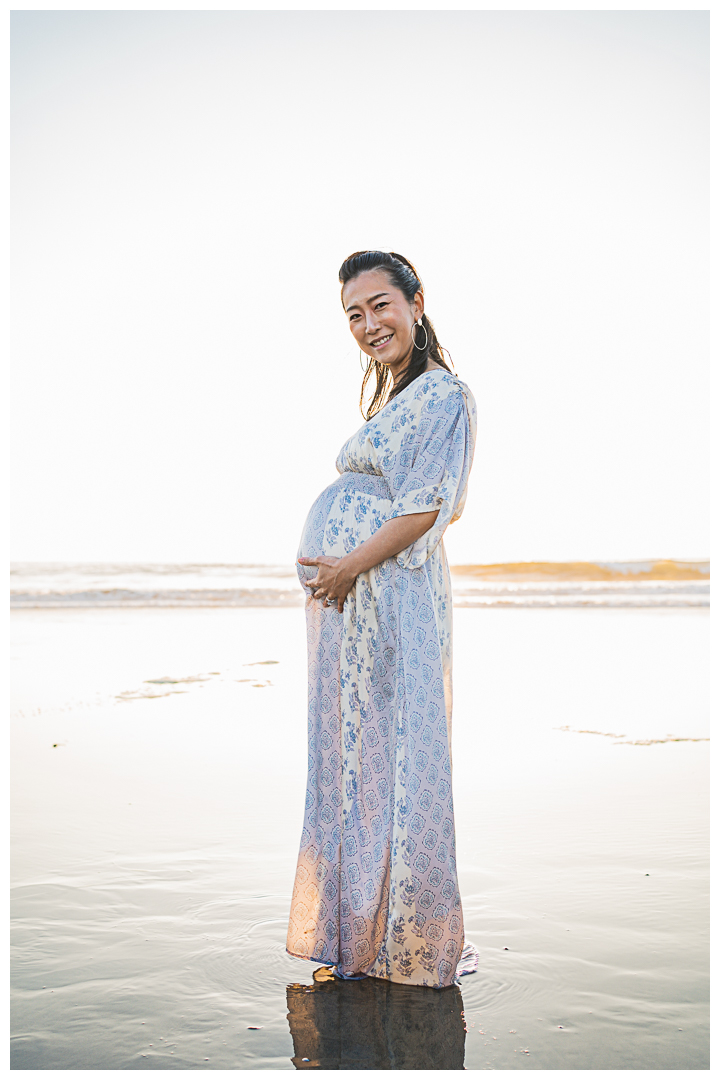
x,y
333,580
336,577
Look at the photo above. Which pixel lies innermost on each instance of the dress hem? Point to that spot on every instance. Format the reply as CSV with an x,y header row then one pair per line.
x,y
385,978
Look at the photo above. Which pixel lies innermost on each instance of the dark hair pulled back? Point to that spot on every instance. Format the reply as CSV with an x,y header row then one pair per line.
x,y
403,276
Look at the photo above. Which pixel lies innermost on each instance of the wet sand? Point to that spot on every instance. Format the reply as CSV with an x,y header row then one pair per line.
x,y
158,784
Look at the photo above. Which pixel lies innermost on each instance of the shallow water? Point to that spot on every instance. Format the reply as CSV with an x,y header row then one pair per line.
x,y
157,792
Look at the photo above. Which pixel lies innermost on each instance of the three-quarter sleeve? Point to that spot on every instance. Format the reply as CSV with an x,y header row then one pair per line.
x,y
430,471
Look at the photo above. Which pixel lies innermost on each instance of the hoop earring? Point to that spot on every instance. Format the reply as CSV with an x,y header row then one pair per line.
x,y
366,366
418,347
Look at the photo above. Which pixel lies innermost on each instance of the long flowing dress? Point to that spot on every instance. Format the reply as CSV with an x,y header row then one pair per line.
x,y
376,888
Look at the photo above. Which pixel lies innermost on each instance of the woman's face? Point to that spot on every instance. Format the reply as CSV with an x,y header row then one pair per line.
x,y
380,318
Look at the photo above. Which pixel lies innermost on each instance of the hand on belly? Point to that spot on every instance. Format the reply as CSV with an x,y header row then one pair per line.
x,y
332,582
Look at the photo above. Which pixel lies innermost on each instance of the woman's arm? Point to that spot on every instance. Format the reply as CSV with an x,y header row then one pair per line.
x,y
336,577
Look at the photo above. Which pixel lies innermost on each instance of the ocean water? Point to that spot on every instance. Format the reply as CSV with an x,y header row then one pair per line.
x,y
653,583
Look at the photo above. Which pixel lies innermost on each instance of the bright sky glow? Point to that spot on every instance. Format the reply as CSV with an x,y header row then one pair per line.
x,y
186,185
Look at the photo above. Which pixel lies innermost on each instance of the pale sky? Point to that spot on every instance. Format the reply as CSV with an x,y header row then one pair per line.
x,y
185,186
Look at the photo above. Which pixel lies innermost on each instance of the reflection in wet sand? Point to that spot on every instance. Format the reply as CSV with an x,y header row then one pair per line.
x,y
375,1024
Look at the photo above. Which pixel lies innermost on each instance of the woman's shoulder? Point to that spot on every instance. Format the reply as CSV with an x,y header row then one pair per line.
x,y
439,382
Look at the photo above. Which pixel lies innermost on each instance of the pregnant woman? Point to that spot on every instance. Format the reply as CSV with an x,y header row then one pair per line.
x,y
376,888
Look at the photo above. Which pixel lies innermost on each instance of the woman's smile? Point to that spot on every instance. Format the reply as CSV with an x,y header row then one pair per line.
x,y
380,343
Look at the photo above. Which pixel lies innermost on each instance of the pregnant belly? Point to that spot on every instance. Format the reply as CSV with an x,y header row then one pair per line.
x,y
344,515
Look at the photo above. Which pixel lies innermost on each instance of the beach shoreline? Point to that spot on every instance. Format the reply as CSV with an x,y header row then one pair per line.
x,y
155,832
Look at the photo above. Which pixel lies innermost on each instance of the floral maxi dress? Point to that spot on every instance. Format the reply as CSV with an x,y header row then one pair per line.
x,y
376,887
